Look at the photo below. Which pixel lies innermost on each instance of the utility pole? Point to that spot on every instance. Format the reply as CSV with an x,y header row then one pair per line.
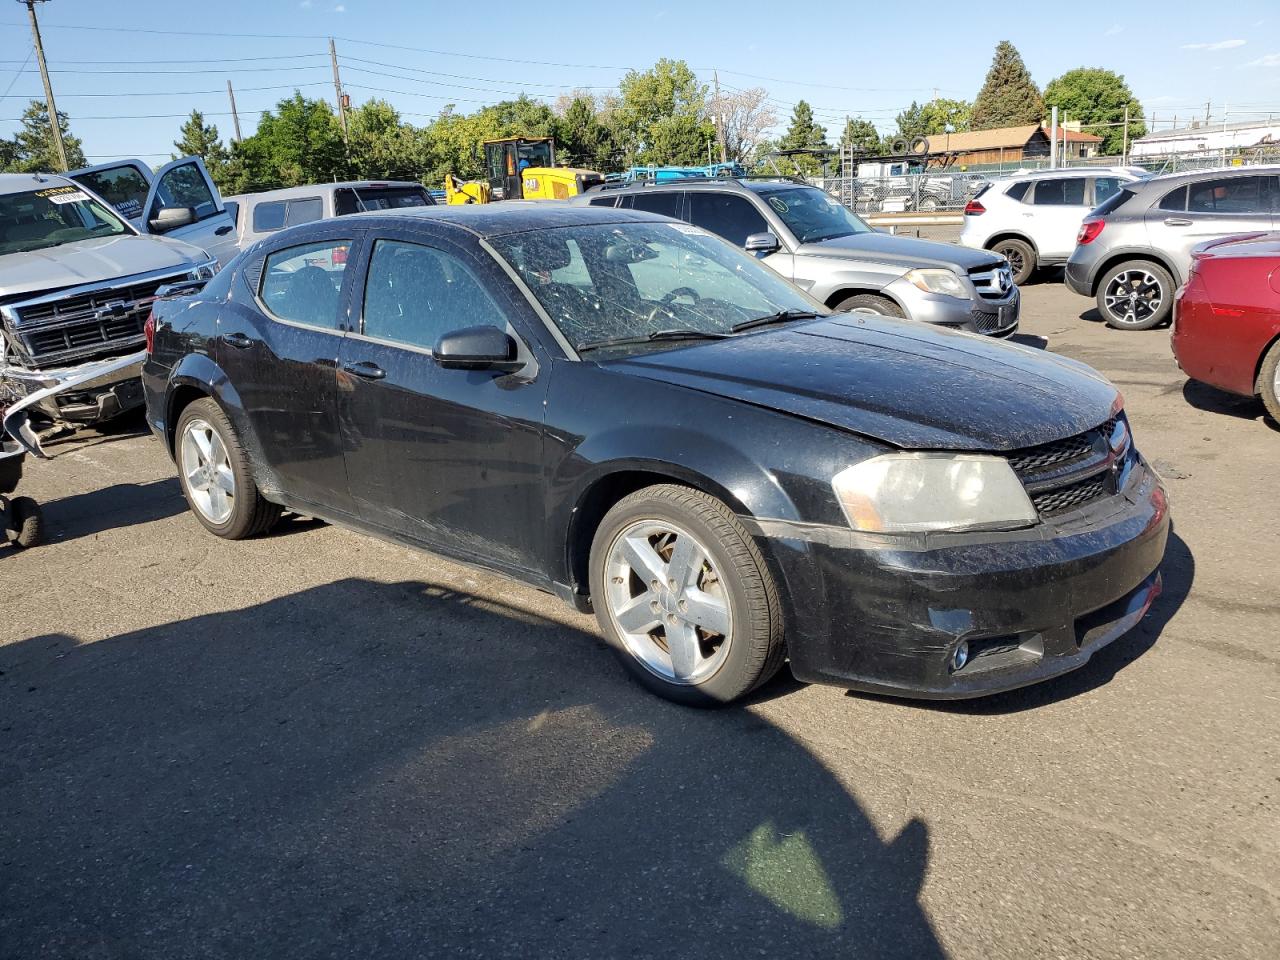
x,y
235,117
1124,151
54,123
1053,139
719,117
1206,112
337,88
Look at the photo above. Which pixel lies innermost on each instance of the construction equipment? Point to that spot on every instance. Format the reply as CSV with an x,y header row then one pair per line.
x,y
521,168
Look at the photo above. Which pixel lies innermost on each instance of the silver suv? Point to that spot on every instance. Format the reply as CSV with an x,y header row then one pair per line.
x,y
818,244
1134,250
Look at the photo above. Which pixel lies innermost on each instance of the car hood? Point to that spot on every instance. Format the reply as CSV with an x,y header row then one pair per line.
x,y
884,248
91,261
908,385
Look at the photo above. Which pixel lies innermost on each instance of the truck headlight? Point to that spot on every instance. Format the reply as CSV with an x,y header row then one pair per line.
x,y
918,492
938,281
203,271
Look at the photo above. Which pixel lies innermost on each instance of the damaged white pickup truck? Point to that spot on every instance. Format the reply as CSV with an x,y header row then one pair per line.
x,y
76,285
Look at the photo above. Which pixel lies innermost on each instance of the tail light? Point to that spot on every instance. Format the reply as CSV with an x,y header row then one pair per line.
x,y
973,208
149,331
339,255
1089,231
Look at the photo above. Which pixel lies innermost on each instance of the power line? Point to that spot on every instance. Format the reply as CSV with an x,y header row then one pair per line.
x,y
17,74
125,63
175,93
458,76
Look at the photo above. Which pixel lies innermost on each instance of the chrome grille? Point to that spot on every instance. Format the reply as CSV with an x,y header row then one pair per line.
x,y
993,281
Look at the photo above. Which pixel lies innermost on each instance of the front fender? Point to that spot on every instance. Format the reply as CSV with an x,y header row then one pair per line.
x,y
838,277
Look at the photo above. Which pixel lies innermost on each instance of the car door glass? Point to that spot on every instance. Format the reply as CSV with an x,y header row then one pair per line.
x,y
1230,195
1175,200
415,294
268,216
303,284
1104,187
665,203
1060,192
303,210
184,186
726,215
124,187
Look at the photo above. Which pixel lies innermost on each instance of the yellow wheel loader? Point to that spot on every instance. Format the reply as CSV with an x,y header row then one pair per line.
x,y
520,168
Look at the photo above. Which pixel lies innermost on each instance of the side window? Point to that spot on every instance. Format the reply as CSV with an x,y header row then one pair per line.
x,y
1018,190
1229,195
124,187
1104,187
1060,192
232,207
303,283
185,186
726,215
344,203
416,294
268,216
1175,200
303,211
665,203
603,201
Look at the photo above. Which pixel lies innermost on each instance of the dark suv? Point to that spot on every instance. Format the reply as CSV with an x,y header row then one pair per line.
x,y
811,239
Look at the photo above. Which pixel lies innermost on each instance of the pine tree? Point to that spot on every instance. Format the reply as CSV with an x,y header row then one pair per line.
x,y
805,133
33,147
1009,97
197,139
861,134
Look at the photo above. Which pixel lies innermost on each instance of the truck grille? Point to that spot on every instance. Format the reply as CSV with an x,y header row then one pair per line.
x,y
85,325
993,281
1067,474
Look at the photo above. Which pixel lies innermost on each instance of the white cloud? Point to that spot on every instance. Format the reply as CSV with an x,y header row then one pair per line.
x,y
1114,29
339,9
1270,60
305,4
1220,45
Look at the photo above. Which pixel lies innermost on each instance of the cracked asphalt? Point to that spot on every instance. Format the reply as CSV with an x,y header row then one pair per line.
x,y
320,745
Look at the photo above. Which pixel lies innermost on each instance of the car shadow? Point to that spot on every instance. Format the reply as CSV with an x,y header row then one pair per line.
x,y
1030,340
1178,571
1210,399
1093,315
369,769
107,508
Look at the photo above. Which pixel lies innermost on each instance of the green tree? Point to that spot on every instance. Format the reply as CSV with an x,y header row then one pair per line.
x,y
582,138
33,149
660,116
201,140
301,142
381,146
938,114
910,123
861,134
1093,95
1009,97
805,132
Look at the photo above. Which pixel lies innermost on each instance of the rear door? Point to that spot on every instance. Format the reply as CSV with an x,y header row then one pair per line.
x,y
1206,209
124,184
1058,204
186,183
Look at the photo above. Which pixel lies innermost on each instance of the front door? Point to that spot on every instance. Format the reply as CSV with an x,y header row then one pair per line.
x,y
124,184
1207,209
450,457
281,357
186,183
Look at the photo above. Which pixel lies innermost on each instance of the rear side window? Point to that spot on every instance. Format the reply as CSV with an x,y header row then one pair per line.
x,y
268,216
726,215
1228,195
303,211
1113,202
303,283
1175,200
354,199
1016,192
665,203
1060,192
603,201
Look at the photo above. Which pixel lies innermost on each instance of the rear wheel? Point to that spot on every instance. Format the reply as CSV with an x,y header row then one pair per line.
x,y
1268,385
28,522
870,303
683,596
215,475
1136,295
1021,256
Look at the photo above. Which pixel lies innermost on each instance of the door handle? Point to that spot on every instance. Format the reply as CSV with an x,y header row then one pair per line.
x,y
365,370
223,230
1177,222
237,340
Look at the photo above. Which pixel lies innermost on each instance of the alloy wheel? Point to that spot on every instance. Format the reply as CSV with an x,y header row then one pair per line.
x,y
1133,296
1015,258
667,600
211,483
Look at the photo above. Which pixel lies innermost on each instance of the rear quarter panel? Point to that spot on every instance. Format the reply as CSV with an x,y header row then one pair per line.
x,y
1228,317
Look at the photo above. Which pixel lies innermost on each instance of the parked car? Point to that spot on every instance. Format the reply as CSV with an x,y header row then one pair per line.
x,y
1134,251
1032,219
809,238
257,215
632,414
1226,326
179,201
76,284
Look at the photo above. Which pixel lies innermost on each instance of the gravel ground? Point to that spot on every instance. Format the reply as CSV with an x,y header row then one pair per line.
x,y
320,745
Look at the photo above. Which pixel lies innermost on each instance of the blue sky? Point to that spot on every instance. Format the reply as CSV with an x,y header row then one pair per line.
x,y
852,58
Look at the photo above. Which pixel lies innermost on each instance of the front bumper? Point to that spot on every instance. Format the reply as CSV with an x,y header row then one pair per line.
x,y
88,393
886,617
991,318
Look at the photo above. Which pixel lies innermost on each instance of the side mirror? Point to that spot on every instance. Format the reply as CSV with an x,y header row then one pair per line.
x,y
761,244
171,218
478,348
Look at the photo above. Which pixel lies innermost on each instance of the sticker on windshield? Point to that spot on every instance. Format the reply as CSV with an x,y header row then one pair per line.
x,y
63,195
689,229
779,204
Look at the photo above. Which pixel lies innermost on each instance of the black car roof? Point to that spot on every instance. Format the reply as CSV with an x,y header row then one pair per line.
x,y
730,184
510,216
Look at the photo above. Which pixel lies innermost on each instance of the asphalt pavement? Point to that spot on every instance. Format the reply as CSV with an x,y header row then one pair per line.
x,y
320,745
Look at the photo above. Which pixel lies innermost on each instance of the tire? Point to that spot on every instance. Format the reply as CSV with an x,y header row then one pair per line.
x,y
870,303
1021,256
28,522
1136,295
1268,383
725,603
211,459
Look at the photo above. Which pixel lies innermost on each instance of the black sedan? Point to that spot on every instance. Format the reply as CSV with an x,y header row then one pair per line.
x,y
630,413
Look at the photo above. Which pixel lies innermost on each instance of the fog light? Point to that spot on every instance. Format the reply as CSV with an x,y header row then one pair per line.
x,y
960,656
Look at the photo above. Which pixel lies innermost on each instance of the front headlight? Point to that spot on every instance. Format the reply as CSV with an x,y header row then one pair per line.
x,y
918,492
939,281
203,271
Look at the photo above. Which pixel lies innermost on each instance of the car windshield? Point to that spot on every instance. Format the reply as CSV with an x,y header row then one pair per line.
x,y
46,218
812,215
623,281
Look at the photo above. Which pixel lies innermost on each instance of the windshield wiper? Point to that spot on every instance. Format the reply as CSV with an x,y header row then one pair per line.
x,y
650,338
782,316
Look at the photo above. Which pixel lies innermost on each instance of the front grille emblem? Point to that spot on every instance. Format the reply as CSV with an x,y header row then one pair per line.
x,y
112,308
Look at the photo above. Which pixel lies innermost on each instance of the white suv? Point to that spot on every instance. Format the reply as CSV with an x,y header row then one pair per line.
x,y
1033,218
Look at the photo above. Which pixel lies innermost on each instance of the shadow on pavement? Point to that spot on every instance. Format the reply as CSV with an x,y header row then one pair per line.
x,y
402,770
1212,400
108,508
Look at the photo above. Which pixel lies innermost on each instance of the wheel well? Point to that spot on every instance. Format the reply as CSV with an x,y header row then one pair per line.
x,y
1011,235
1273,344
1119,258
847,292
182,397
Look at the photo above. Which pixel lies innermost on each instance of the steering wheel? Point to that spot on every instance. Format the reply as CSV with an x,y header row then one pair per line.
x,y
677,293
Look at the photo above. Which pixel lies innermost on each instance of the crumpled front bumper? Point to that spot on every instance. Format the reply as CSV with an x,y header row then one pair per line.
x,y
85,393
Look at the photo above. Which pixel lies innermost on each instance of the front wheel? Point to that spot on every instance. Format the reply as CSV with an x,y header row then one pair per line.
x,y
1137,295
683,596
1022,259
215,475
870,303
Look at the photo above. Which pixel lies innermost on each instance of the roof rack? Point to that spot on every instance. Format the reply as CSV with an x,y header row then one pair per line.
x,y
676,183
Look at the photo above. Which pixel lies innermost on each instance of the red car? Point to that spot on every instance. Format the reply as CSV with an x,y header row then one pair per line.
x,y
1226,327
